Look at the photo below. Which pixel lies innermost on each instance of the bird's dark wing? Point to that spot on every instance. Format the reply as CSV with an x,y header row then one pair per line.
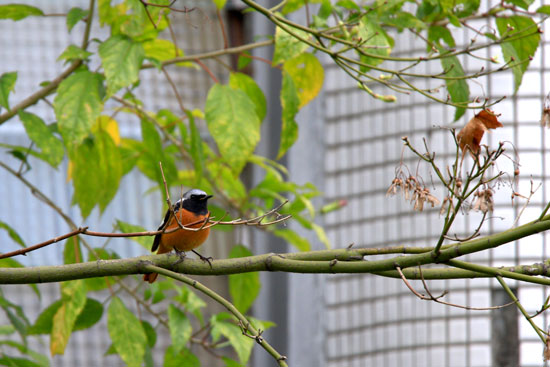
x,y
156,241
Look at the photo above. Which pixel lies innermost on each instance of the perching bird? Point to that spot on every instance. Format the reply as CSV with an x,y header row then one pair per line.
x,y
191,208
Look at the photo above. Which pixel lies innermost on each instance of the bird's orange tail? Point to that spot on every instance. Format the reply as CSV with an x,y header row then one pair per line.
x,y
151,277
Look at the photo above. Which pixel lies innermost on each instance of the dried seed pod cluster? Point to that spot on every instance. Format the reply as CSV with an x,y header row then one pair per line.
x,y
413,192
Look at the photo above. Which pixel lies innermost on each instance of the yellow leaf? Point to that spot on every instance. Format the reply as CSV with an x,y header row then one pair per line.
x,y
60,334
162,50
197,113
307,73
70,167
109,125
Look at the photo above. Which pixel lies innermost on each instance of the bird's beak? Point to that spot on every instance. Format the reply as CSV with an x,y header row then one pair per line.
x,y
207,197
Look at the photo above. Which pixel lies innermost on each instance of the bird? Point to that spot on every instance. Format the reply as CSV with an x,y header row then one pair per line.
x,y
191,211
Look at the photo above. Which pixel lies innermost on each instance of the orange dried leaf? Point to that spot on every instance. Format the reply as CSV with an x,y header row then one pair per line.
x,y
469,138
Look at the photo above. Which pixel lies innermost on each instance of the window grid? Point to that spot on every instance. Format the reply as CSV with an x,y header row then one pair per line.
x,y
376,321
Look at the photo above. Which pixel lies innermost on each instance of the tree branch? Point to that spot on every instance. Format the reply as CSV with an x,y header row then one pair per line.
x,y
37,96
324,261
245,324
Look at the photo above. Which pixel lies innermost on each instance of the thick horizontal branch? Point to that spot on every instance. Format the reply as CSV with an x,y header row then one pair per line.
x,y
325,261
520,272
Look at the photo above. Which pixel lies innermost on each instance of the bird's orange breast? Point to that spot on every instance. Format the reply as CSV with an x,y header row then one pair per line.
x,y
182,239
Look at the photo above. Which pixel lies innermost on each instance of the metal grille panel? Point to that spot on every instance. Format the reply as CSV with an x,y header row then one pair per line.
x,y
374,321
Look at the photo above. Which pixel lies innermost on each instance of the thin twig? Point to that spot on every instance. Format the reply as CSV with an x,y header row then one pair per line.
x,y
174,89
222,27
24,251
544,307
207,69
225,303
430,297
527,201
520,307
212,54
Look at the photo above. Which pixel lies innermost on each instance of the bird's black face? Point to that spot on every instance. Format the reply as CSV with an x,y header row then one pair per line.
x,y
199,197
194,201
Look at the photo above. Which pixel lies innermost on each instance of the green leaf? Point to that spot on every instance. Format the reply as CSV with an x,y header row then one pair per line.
x,y
244,60
73,300
7,329
287,46
229,183
150,332
245,287
22,153
233,124
545,9
522,49
242,344
220,3
307,74
190,301
152,153
378,43
7,83
90,315
430,11
15,314
144,241
74,16
121,58
50,146
437,33
97,172
10,361
524,4
253,91
180,327
39,359
231,363
293,238
13,234
179,358
290,102
72,253
293,5
258,324
195,146
458,88
135,21
321,234
126,332
161,50
77,105
402,20
128,154
107,14
18,11
73,52
465,8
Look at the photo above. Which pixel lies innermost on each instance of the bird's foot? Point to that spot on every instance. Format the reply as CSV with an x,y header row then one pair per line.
x,y
181,255
207,259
